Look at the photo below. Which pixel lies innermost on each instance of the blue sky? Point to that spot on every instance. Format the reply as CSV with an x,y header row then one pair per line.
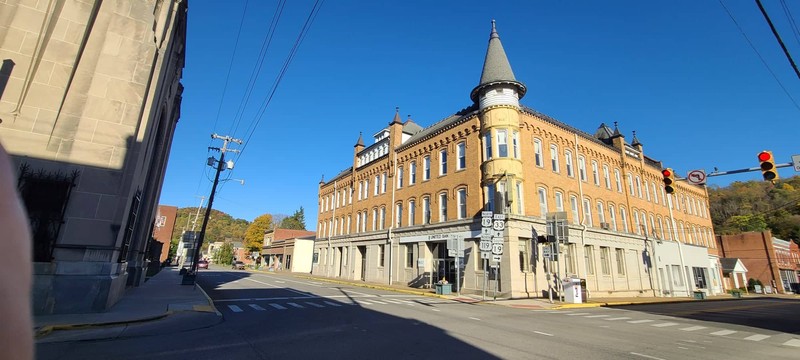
x,y
679,73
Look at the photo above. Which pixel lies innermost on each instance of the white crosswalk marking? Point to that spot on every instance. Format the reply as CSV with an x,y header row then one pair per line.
x,y
665,324
577,314
235,308
757,337
277,306
792,342
617,318
723,332
314,304
693,328
255,306
296,305
378,302
363,302
640,321
597,316
332,303
392,301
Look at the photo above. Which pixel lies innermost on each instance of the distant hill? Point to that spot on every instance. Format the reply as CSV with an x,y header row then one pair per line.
x,y
221,226
757,206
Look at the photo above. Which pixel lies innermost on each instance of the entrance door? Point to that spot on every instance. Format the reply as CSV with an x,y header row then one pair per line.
x,y
362,250
444,266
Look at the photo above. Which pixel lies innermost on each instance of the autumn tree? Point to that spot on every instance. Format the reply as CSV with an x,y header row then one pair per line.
x,y
296,221
254,235
225,254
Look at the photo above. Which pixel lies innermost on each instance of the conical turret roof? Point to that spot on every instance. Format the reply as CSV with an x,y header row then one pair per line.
x,y
496,68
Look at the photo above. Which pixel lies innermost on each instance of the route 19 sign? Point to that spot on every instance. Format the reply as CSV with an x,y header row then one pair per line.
x,y
696,177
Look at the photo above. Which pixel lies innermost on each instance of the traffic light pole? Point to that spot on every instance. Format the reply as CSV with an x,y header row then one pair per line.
x,y
720,173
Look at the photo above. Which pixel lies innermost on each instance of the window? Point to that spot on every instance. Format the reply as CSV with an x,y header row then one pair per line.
x,y
381,255
426,210
502,143
374,219
655,192
605,263
400,177
360,185
462,203
350,195
573,204
568,162
366,188
520,197
644,222
639,187
554,158
487,146
442,207
652,231
569,256
349,220
661,228
490,197
630,185
358,222
515,144
606,177
601,214
383,218
559,201
588,255
364,221
398,215
647,190
612,217
426,168
377,184
409,256
677,277
501,195
461,153
587,212
617,180
411,212
537,152
624,218
412,173
582,167
523,256
383,183
595,174
542,202
443,162
620,261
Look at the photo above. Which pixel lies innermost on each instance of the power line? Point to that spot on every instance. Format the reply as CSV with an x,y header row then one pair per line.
x,y
792,23
778,37
759,55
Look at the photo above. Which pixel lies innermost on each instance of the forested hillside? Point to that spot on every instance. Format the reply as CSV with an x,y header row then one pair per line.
x,y
221,226
757,206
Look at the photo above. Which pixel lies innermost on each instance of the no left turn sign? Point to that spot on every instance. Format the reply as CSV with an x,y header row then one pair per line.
x,y
696,177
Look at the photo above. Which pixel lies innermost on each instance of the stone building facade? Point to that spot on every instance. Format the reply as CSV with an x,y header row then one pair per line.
x,y
90,95
387,217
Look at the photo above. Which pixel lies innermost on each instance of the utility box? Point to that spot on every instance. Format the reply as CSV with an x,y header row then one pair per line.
x,y
572,291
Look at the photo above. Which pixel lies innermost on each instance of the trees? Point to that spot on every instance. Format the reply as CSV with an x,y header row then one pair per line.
x,y
225,254
296,221
254,235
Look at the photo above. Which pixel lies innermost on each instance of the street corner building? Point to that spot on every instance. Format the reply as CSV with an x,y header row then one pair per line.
x,y
398,213
90,96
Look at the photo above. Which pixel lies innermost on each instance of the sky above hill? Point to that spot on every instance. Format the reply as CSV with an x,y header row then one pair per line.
x,y
698,93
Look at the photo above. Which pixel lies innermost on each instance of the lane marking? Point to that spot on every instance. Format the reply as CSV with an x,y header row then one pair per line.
x,y
435,309
255,306
378,302
577,314
543,333
279,287
723,332
683,348
363,302
597,316
474,318
617,318
314,304
332,303
391,301
757,337
647,356
792,342
277,306
235,308
665,324
694,328
296,305
640,321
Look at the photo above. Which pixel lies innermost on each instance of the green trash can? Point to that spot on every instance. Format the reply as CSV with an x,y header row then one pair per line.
x,y
699,295
444,289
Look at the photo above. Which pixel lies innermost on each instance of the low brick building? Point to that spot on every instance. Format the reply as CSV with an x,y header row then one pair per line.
x,y
288,249
773,261
163,227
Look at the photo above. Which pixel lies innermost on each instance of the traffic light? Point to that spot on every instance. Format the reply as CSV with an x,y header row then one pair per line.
x,y
669,180
767,163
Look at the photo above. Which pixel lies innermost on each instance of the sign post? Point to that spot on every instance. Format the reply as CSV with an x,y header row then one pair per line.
x,y
486,245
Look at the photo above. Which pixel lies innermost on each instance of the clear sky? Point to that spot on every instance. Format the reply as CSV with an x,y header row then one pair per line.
x,y
679,73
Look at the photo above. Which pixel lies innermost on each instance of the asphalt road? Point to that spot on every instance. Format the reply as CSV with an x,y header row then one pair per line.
x,y
272,316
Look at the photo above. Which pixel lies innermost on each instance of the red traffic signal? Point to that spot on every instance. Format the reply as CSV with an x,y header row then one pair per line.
x,y
669,180
767,164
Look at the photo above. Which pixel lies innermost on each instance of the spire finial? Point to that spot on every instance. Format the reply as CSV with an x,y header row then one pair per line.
x,y
360,141
396,119
494,30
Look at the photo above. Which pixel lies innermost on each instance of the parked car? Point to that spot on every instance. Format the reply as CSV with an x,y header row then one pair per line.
x,y
237,265
202,264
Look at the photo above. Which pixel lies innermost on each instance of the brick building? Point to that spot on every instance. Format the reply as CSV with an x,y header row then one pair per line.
x,y
163,227
774,261
288,249
388,215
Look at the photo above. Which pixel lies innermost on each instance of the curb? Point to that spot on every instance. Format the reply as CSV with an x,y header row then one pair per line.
x,y
208,298
372,286
47,329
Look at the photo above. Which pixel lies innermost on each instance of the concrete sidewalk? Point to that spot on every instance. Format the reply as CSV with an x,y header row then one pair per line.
x,y
157,298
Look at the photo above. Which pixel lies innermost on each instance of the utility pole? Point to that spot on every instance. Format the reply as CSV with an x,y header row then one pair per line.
x,y
220,166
